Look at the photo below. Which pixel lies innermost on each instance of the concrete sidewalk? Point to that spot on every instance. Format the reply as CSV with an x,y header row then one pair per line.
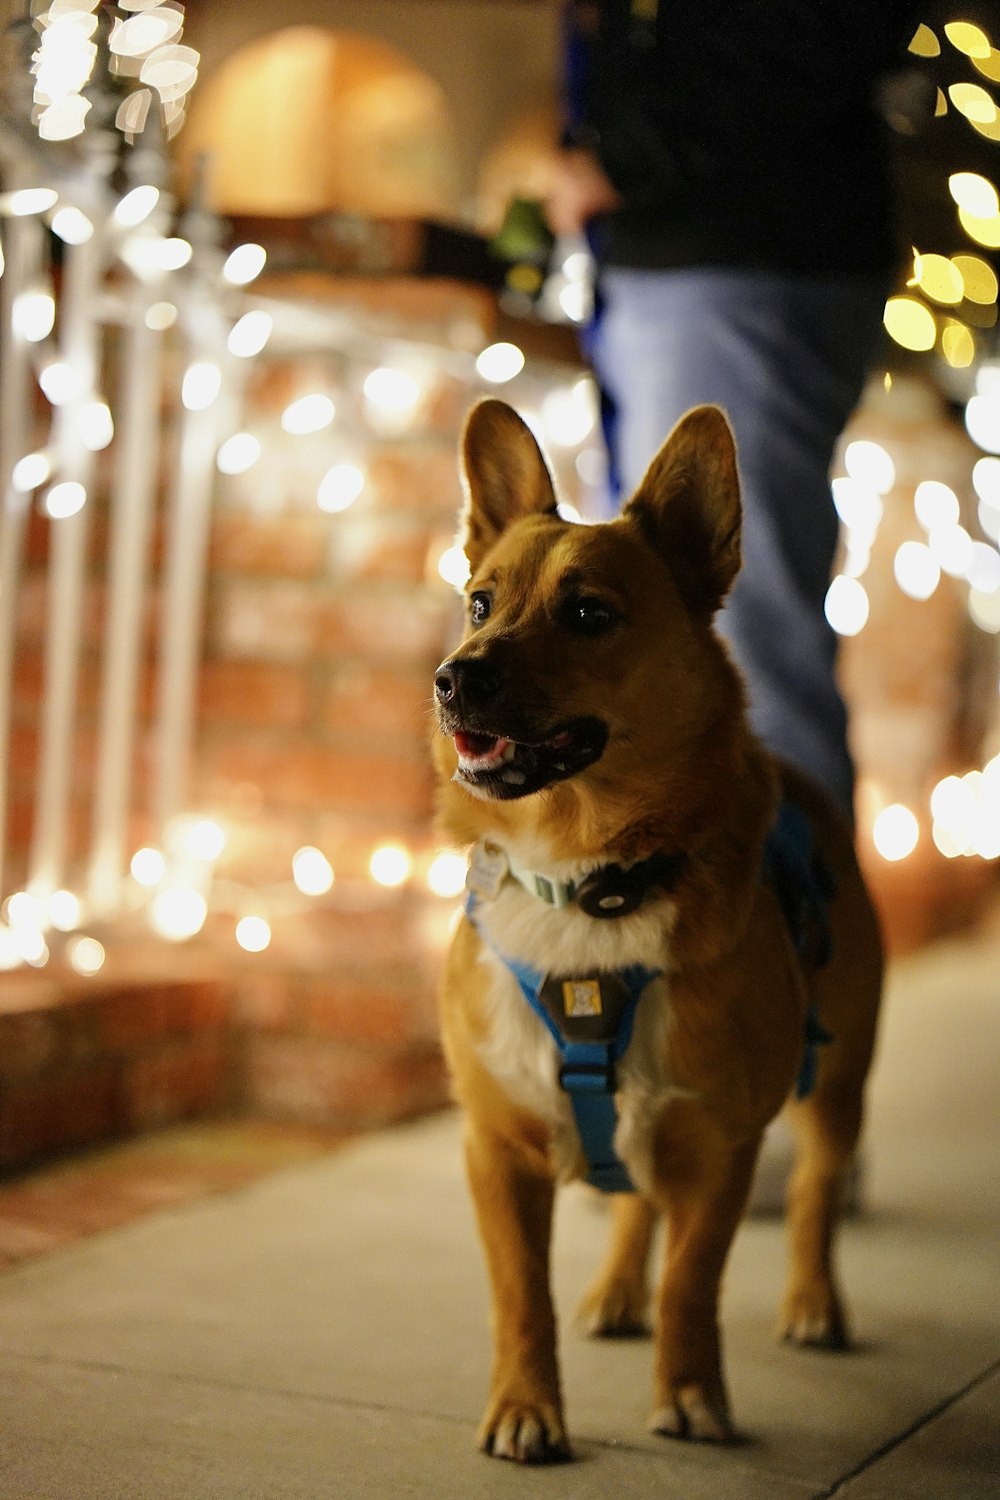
x,y
323,1332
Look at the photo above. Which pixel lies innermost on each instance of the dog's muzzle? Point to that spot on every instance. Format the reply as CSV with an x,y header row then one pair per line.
x,y
513,758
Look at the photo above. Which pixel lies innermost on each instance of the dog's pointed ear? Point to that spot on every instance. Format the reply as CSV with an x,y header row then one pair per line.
x,y
506,476
688,507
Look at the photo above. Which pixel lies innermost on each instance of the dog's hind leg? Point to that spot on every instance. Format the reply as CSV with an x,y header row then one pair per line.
x,y
513,1198
826,1125
616,1302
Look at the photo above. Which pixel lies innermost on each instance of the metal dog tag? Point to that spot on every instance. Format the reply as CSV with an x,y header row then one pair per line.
x,y
488,869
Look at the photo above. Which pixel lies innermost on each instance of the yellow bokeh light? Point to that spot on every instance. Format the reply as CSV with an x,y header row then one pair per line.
x,y
985,231
989,66
390,865
895,832
910,324
940,104
973,102
965,37
938,279
974,194
979,280
925,43
958,346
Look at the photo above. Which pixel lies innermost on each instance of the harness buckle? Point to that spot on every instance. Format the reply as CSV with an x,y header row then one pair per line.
x,y
591,1078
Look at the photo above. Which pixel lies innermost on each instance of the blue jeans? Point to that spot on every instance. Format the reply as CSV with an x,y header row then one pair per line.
x,y
786,358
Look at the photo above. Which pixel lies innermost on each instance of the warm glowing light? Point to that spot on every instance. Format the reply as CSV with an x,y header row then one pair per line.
x,y
975,194
308,414
238,453
394,392
390,865
24,910
253,934
938,278
201,385
148,866
136,206
64,118
446,875
340,487
33,315
952,549
858,506
895,832
984,610
30,471
453,567
244,264
985,231
64,910
96,425
983,570
972,100
570,416
925,43
198,838
249,335
982,419
60,381
935,504
846,605
72,226
146,31
958,346
160,316
64,499
986,481
149,253
979,280
965,37
26,201
86,955
312,871
500,362
909,323
988,65
178,913
172,71
916,570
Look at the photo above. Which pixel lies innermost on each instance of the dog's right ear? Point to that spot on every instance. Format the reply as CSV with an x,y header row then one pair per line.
x,y
506,476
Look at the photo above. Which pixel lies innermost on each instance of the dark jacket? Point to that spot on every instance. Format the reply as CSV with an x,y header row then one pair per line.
x,y
739,132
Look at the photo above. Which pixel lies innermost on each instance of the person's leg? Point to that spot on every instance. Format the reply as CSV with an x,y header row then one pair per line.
x,y
786,358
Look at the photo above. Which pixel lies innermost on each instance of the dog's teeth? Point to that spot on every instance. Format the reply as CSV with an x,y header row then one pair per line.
x,y
509,750
515,778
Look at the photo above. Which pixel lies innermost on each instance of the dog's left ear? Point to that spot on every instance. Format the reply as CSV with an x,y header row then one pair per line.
x,y
506,477
688,507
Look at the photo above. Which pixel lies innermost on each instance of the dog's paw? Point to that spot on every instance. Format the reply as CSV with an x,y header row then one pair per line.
x,y
813,1319
525,1432
693,1413
614,1310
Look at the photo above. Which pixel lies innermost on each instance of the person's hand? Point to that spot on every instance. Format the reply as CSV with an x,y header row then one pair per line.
x,y
580,191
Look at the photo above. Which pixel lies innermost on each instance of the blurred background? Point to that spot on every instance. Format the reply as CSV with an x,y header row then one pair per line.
x,y
258,261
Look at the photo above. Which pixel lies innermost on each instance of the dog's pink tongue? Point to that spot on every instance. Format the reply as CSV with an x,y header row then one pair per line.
x,y
478,746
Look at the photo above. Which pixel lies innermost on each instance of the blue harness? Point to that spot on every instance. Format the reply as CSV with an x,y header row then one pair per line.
x,y
591,1020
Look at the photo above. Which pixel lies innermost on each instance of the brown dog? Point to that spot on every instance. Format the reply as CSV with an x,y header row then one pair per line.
x,y
641,974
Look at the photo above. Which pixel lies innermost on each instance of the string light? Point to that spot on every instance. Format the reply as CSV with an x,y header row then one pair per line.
x,y
253,934
86,955
340,487
244,264
308,414
238,453
391,864
895,832
446,874
312,871
499,363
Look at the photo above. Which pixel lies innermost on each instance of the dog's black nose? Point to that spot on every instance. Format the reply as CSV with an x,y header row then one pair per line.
x,y
472,683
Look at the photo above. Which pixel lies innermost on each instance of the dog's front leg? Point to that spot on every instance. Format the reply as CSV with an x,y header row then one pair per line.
x,y
703,1213
514,1200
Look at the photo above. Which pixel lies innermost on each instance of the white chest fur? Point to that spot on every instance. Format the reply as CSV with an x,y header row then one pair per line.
x,y
521,1053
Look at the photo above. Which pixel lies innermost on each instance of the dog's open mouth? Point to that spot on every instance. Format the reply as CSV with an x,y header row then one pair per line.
x,y
498,766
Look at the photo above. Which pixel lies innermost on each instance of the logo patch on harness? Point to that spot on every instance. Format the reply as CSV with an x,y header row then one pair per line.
x,y
582,997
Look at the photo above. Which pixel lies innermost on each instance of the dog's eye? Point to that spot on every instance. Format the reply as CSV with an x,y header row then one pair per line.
x,y
479,608
588,616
